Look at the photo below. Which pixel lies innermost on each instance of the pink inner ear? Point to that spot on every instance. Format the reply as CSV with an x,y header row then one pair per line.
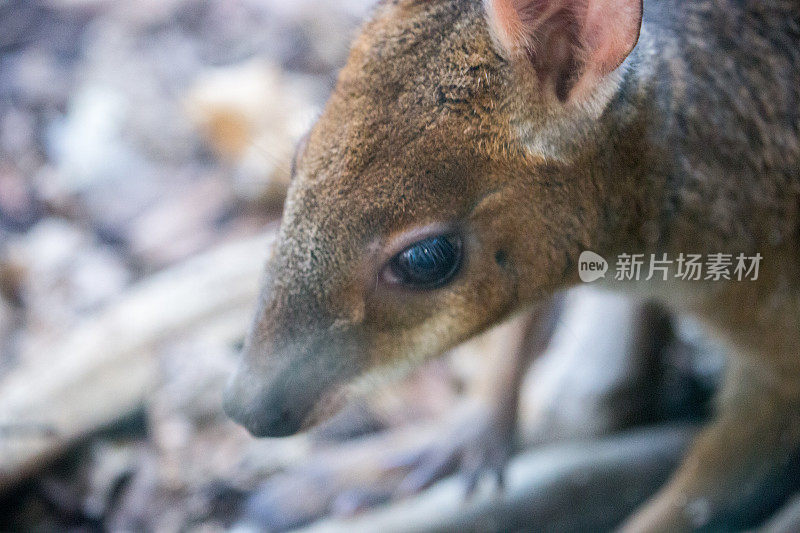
x,y
517,20
598,35
610,32
507,21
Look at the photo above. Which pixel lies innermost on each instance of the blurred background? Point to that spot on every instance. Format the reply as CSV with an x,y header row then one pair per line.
x,y
144,155
133,137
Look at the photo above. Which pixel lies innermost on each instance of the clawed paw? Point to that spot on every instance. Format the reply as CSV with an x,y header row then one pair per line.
x,y
478,444
350,477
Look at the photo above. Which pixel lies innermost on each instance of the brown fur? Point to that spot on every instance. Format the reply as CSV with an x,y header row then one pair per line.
x,y
693,145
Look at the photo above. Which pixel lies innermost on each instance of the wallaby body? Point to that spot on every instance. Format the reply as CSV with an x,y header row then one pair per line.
x,y
517,134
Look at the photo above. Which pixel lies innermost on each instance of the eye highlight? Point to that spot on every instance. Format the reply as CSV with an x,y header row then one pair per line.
x,y
427,264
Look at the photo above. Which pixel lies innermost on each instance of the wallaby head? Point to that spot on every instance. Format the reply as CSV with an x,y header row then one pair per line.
x,y
455,175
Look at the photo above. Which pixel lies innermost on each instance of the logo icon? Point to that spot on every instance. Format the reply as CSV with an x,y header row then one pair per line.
x,y
591,267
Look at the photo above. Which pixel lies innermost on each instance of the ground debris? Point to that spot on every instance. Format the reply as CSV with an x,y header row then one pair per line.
x,y
108,184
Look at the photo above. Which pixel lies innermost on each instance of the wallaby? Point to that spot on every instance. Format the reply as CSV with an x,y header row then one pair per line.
x,y
471,151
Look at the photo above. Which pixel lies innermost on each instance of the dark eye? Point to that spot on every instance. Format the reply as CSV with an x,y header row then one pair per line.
x,y
428,264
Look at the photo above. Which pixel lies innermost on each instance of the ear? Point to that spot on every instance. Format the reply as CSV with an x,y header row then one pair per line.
x,y
572,44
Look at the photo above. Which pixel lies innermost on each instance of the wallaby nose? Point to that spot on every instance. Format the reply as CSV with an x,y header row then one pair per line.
x,y
273,422
277,393
261,415
280,422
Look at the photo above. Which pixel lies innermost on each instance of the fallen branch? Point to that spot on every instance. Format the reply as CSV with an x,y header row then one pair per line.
x,y
569,486
103,369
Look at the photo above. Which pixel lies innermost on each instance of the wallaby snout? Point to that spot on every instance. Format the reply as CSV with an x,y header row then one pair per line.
x,y
265,409
281,393
261,412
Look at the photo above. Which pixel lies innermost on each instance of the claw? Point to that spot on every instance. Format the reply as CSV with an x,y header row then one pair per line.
x,y
433,467
405,461
491,463
475,453
354,501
